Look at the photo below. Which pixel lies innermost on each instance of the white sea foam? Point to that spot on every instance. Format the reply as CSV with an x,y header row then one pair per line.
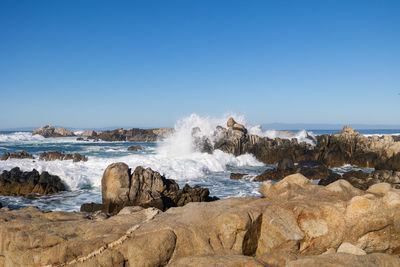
x,y
20,137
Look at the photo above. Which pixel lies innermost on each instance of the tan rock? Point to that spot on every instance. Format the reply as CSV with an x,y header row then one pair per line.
x,y
217,261
230,122
115,186
351,249
345,260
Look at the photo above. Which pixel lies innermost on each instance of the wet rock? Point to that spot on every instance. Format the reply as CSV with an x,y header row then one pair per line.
x,y
16,155
91,207
313,170
135,148
49,131
286,164
56,155
146,188
237,176
18,183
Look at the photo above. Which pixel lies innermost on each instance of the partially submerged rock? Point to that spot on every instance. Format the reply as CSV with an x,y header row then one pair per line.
x,y
145,187
18,183
135,148
237,176
298,223
16,155
56,155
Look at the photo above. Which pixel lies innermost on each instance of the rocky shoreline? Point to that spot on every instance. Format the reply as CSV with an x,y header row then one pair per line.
x,y
296,223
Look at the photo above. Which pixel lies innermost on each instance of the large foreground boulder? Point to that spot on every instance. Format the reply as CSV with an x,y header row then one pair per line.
x,y
297,223
18,183
146,188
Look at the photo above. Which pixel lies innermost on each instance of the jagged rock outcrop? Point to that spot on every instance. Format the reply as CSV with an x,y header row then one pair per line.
x,y
18,183
298,223
346,147
16,155
146,188
133,135
135,148
56,155
49,131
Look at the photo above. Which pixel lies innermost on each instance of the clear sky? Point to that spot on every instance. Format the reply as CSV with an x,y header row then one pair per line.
x,y
147,63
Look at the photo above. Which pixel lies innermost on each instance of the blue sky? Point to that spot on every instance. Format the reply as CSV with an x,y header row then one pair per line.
x,y
149,63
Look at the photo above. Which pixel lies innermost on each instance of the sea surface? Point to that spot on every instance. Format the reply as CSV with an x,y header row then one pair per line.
x,y
175,157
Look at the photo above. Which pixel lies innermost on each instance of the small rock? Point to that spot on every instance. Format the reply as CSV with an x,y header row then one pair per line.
x,y
351,249
135,148
237,176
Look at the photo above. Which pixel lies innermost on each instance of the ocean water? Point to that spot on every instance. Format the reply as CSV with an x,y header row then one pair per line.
x,y
175,157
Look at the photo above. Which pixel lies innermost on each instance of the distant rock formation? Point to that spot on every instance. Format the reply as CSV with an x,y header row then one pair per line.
x,y
133,135
16,155
49,131
18,183
146,188
56,155
346,147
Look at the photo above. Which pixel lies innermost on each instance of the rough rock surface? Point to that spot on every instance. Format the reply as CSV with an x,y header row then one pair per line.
x,y
134,135
145,187
346,147
16,155
18,183
56,155
135,148
294,225
49,131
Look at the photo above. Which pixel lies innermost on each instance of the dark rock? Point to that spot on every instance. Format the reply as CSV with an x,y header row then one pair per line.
x,y
285,164
237,176
274,175
56,155
146,188
313,170
18,183
133,135
91,207
363,181
135,148
346,147
16,155
80,139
